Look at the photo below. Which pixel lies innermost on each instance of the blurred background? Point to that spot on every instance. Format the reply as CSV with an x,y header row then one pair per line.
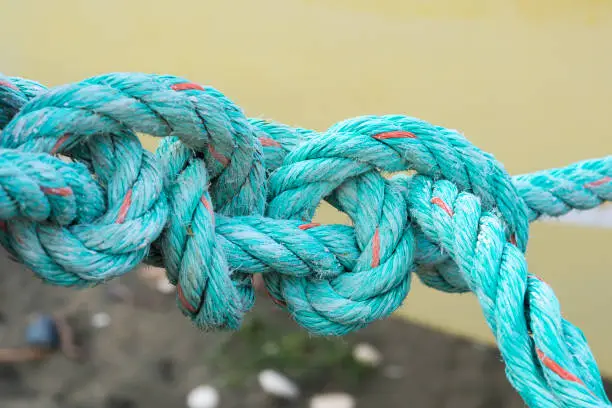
x,y
529,81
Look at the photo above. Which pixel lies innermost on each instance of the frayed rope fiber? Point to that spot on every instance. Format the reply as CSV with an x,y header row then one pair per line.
x,y
225,197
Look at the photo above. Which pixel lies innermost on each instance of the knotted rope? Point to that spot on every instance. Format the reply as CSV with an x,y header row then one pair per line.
x,y
226,197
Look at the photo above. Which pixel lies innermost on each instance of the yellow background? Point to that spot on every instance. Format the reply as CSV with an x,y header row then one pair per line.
x,y
530,81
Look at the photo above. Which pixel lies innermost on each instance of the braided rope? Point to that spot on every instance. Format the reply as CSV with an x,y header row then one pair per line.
x,y
225,197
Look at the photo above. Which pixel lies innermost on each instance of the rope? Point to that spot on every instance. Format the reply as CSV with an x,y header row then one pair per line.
x,y
225,197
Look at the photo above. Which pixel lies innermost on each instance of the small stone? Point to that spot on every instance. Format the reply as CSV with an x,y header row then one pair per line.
x,y
164,286
203,396
393,372
276,384
332,400
151,272
367,354
100,320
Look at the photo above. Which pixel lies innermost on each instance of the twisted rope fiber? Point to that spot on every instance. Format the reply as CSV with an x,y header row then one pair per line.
x,y
225,197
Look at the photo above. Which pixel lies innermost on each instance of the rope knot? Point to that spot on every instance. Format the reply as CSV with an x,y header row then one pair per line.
x,y
75,228
226,197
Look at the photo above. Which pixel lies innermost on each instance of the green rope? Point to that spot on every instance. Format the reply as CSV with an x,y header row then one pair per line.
x,y
226,197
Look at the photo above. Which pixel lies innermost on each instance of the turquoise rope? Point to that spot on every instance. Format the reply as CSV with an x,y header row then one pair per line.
x,y
225,197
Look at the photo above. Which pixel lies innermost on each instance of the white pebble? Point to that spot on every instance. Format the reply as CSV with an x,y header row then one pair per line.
x,y
274,383
100,320
203,396
367,354
164,286
332,400
151,273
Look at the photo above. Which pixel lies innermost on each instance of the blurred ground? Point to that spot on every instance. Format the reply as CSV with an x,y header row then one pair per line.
x,y
150,356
